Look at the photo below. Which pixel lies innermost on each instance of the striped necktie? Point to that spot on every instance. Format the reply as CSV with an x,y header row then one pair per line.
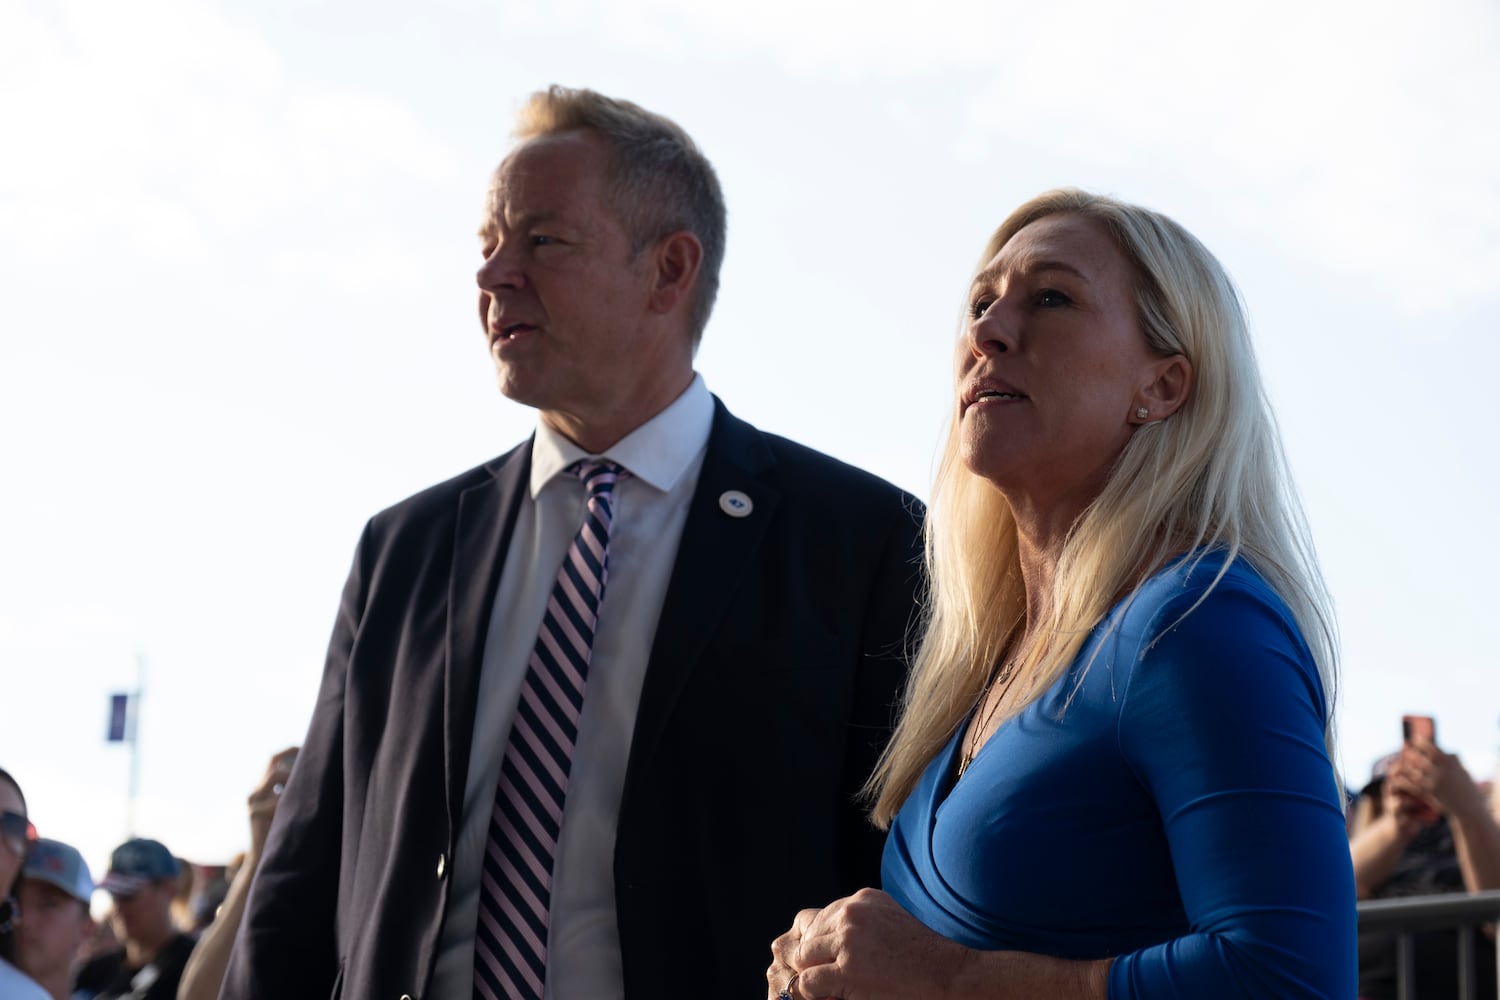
x,y
510,942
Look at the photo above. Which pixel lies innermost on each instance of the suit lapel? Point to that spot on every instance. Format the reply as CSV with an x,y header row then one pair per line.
x,y
713,558
482,532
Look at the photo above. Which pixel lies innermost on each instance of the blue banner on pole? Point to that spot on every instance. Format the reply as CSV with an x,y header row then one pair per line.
x,y
119,706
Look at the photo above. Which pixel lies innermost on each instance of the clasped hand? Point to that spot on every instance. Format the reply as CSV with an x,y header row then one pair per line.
x,y
863,947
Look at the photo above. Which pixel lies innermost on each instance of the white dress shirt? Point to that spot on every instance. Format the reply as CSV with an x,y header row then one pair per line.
x,y
663,456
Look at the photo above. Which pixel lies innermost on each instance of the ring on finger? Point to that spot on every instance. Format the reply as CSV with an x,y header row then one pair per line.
x,y
786,991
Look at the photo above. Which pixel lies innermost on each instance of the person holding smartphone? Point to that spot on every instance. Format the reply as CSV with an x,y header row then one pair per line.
x,y
203,976
1422,827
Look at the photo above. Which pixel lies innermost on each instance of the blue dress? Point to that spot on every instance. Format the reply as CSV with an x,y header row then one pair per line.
x,y
1178,813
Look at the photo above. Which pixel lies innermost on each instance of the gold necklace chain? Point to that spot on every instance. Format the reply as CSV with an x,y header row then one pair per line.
x,y
1005,673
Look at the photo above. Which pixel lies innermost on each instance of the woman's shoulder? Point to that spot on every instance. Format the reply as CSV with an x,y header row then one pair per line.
x,y
1212,625
1207,608
1204,583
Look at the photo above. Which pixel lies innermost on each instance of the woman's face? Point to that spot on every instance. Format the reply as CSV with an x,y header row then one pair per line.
x,y
1053,364
10,860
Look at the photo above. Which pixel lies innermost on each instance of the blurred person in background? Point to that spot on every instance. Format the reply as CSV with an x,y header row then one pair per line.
x,y
182,897
142,881
1422,827
54,894
17,836
204,974
102,940
212,885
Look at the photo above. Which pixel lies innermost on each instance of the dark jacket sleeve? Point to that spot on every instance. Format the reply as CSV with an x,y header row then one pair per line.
x,y
891,628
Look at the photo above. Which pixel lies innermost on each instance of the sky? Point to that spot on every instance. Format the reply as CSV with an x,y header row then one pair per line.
x,y
237,308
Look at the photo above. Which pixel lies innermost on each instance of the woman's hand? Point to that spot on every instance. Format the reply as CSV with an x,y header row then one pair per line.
x,y
863,947
1435,780
1404,809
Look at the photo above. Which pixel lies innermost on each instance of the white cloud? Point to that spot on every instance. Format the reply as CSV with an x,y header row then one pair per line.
x,y
1358,136
58,631
383,263
1351,135
843,39
167,124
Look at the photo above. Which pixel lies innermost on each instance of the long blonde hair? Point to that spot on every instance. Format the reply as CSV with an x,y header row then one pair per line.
x,y
1212,475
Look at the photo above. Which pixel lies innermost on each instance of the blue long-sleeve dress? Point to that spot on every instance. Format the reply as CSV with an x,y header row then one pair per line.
x,y
1177,810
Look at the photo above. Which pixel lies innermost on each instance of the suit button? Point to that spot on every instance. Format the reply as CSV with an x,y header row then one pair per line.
x,y
442,867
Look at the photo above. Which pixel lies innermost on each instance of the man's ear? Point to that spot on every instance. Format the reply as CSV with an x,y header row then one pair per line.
x,y
1171,381
676,259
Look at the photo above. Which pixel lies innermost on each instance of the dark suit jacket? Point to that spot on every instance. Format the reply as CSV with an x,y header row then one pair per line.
x,y
768,694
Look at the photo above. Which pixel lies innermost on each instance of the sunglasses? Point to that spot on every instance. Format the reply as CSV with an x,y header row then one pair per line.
x,y
17,832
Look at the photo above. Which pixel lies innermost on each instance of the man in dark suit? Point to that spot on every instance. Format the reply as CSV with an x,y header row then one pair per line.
x,y
740,671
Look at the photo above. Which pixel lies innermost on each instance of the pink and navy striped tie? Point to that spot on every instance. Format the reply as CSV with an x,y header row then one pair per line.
x,y
510,942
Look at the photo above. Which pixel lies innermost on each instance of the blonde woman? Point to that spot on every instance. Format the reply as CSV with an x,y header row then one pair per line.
x,y
1112,775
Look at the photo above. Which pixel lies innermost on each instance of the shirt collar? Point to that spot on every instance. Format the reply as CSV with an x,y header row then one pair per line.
x,y
658,452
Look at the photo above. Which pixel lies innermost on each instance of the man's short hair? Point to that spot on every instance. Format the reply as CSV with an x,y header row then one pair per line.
x,y
662,182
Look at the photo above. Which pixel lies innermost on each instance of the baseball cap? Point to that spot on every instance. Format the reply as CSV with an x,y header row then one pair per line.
x,y
56,862
136,864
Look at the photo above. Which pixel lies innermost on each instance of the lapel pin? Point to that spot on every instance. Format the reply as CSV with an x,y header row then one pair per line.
x,y
735,504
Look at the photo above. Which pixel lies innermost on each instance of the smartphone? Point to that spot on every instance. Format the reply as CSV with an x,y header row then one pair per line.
x,y
1421,729
1418,729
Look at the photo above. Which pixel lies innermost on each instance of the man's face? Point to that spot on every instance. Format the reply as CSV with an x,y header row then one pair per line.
x,y
53,927
145,915
564,300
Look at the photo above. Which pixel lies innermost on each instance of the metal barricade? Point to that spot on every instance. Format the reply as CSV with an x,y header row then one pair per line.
x,y
1465,912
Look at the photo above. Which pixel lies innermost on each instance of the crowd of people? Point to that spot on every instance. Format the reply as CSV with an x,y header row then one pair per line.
x,y
1421,826
1063,735
165,932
